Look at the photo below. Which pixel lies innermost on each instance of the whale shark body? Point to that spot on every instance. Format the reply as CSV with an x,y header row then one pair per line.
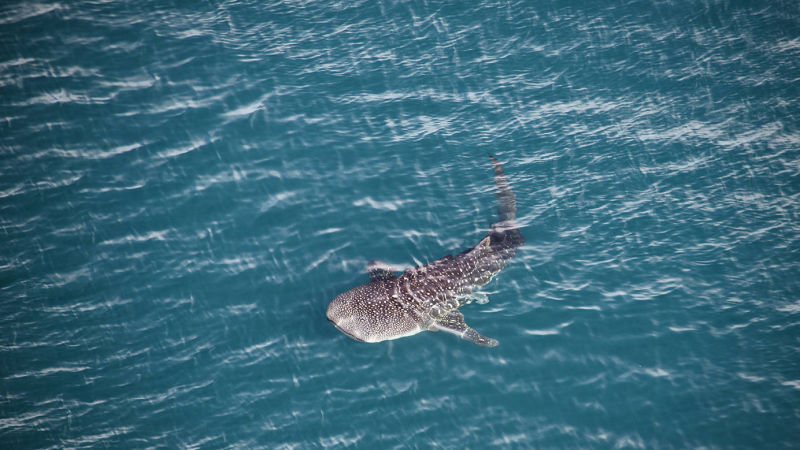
x,y
427,297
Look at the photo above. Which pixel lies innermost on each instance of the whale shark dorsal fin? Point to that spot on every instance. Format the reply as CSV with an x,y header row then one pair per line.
x,y
454,323
379,270
484,246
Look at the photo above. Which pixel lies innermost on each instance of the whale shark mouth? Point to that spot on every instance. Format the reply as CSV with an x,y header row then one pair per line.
x,y
346,332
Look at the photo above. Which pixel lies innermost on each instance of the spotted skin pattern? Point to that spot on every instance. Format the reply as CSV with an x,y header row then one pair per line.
x,y
428,297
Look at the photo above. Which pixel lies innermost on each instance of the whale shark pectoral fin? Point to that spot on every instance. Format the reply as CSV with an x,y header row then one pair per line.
x,y
380,274
378,270
478,297
454,323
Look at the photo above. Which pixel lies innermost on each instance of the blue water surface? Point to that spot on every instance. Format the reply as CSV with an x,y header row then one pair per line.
x,y
184,186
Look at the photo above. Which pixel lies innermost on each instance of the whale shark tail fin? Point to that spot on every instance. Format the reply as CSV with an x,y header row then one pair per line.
x,y
507,204
505,230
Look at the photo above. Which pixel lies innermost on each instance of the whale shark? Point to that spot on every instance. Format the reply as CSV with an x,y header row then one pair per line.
x,y
427,297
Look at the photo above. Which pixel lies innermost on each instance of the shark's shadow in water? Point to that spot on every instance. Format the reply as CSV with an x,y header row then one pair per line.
x,y
428,297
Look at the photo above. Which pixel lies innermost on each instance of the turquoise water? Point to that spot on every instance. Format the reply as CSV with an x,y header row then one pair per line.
x,y
185,186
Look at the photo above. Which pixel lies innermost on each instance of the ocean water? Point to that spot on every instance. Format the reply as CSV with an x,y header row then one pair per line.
x,y
184,186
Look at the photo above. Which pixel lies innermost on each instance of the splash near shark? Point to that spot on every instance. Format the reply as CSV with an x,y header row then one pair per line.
x,y
427,298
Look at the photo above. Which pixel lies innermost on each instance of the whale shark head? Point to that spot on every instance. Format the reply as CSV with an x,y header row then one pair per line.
x,y
365,313
345,317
